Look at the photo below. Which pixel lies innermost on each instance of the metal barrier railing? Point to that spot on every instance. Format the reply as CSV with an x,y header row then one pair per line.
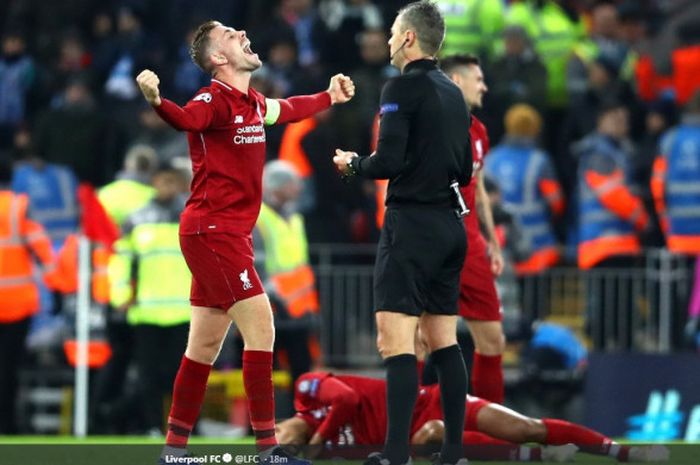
x,y
640,307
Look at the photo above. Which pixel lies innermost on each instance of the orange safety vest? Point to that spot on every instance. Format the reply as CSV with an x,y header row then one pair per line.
x,y
19,239
65,279
65,276
297,288
291,149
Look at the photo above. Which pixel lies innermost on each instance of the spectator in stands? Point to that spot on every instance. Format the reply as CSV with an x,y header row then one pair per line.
x,y
17,75
282,262
346,21
153,132
554,28
188,77
298,20
610,217
22,242
75,133
581,118
603,41
369,77
517,76
282,67
72,60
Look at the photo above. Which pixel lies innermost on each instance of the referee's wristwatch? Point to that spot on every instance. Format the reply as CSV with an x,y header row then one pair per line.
x,y
350,170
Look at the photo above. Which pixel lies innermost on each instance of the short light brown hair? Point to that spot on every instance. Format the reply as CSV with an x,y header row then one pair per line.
x,y
522,120
199,50
425,19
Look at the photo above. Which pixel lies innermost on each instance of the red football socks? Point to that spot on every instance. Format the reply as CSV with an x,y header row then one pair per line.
x,y
589,441
487,377
188,395
257,378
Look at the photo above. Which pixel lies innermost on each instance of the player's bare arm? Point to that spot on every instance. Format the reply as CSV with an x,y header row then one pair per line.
x,y
486,219
148,82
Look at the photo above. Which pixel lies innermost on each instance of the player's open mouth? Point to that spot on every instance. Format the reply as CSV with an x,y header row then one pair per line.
x,y
247,50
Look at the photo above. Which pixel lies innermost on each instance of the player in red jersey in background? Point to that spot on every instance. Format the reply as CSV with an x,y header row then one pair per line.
x,y
351,410
478,301
224,122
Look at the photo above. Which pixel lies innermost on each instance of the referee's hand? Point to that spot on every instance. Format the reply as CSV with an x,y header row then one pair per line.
x,y
342,160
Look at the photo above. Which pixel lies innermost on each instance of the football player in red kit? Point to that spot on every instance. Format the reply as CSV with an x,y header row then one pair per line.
x,y
351,410
225,127
478,301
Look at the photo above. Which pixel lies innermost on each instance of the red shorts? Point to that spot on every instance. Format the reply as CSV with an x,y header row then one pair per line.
x,y
474,406
222,269
478,299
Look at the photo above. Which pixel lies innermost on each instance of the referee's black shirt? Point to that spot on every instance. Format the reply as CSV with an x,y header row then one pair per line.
x,y
423,138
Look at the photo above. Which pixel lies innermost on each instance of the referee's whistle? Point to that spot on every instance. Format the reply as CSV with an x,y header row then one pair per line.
x,y
462,210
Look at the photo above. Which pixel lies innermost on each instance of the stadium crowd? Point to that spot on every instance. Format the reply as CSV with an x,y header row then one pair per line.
x,y
593,115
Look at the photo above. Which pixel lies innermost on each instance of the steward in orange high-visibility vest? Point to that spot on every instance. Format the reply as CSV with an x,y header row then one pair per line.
x,y
609,214
22,242
675,183
282,252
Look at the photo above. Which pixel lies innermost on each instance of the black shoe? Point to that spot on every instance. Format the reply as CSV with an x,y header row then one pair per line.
x,y
377,458
436,459
278,456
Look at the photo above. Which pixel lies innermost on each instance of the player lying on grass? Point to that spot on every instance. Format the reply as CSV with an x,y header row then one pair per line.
x,y
350,410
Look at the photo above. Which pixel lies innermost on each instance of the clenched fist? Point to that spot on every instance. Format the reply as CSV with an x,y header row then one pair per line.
x,y
341,89
148,83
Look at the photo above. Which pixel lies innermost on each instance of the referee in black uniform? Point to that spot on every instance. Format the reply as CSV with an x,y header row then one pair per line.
x,y
425,153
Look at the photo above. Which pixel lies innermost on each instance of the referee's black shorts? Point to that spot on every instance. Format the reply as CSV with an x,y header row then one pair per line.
x,y
419,259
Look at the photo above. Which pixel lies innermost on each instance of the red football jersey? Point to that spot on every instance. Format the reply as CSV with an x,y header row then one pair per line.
x,y
352,409
480,147
317,401
225,130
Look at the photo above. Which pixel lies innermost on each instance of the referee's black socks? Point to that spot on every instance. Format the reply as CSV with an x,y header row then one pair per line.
x,y
452,375
401,393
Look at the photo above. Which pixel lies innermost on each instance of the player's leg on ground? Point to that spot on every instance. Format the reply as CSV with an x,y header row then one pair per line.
x,y
208,327
504,423
589,441
487,372
253,318
395,341
440,333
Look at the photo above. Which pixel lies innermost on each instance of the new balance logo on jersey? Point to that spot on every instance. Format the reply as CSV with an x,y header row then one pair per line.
x,y
238,119
245,280
205,97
